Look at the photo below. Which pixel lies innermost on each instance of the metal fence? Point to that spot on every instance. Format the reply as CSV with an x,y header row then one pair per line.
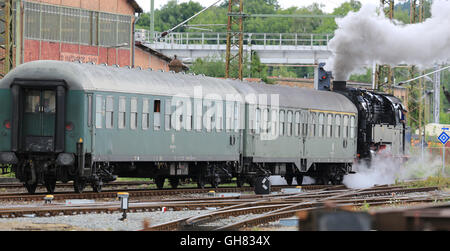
x,y
72,25
220,38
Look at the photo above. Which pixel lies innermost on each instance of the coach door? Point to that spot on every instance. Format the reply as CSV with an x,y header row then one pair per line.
x,y
39,120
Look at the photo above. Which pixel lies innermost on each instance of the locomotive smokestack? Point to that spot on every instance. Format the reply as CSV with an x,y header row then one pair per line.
x,y
339,85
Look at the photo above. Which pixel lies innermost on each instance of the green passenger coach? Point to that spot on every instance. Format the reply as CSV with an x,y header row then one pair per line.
x,y
70,121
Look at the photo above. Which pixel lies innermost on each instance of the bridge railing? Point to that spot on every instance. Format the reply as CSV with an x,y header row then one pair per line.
x,y
220,38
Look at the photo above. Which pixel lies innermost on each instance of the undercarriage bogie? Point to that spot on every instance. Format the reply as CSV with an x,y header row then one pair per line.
x,y
329,173
44,170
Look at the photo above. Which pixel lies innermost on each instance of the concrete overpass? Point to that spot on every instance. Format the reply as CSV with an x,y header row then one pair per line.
x,y
272,48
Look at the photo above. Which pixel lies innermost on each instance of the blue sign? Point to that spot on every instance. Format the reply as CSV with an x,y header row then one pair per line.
x,y
445,129
443,138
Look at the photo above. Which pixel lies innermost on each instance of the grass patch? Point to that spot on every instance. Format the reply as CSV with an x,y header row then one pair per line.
x,y
438,181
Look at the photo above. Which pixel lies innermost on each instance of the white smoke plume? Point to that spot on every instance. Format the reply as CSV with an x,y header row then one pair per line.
x,y
367,37
386,171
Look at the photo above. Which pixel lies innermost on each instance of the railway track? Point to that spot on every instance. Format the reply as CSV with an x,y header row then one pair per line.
x,y
262,208
136,193
16,185
271,209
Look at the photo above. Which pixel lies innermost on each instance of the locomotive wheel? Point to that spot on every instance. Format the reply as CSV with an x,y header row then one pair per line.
x,y
79,185
299,179
289,180
159,180
200,183
262,185
174,182
31,188
97,186
50,184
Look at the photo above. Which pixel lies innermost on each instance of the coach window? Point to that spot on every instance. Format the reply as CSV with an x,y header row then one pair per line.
x,y
289,123
209,115
122,112
188,120
352,127
274,122
282,117
99,110
312,123
297,128
265,121
258,121
237,116
133,114
179,106
109,112
157,115
89,110
229,113
329,125
198,115
321,125
338,126
345,132
145,114
168,115
304,124
219,115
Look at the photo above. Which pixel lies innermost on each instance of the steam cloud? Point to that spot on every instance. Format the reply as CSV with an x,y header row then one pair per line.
x,y
367,37
385,170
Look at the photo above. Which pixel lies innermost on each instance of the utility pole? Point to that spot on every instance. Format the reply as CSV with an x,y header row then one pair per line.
x,y
437,95
235,18
6,36
152,21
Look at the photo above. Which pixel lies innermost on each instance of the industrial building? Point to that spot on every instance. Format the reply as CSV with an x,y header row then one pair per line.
x,y
98,31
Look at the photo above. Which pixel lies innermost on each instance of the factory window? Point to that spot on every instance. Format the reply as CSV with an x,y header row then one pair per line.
x,y
298,126
72,25
321,125
145,114
188,120
109,112
345,132
198,115
289,123
329,125
122,112
219,116
282,123
352,127
338,126
157,115
99,110
168,115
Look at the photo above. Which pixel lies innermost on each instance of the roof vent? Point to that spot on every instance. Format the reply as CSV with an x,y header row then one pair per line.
x,y
104,64
139,68
127,66
116,65
150,69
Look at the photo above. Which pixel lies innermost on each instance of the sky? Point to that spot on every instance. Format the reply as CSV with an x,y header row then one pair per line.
x,y
329,4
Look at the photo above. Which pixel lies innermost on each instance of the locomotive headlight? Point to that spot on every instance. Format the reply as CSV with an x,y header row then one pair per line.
x,y
65,159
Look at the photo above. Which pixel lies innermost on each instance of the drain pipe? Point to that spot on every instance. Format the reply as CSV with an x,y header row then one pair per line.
x,y
133,40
